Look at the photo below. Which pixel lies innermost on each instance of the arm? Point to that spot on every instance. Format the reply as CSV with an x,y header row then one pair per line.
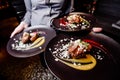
x,y
70,6
26,20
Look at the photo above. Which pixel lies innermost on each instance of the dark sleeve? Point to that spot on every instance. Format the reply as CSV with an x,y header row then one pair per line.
x,y
67,7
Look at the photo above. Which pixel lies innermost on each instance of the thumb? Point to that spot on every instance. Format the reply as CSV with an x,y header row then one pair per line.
x,y
97,29
13,33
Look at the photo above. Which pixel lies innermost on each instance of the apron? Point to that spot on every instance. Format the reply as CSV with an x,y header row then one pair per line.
x,y
41,12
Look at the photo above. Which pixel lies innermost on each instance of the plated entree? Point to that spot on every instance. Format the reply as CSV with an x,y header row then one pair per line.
x,y
29,40
74,53
74,21
78,48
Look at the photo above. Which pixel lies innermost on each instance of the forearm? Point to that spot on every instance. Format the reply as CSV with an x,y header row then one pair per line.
x,y
70,6
27,17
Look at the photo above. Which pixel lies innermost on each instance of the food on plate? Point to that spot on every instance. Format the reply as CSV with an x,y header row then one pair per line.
x,y
74,21
33,36
25,37
74,53
87,63
38,42
78,48
74,49
29,40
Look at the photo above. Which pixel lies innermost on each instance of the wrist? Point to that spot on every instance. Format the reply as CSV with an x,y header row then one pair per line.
x,y
25,25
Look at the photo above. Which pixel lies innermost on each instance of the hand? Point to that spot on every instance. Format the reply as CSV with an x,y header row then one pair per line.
x,y
19,28
96,29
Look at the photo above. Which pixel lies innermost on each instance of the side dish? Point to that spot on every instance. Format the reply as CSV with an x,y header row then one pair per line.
x,y
29,40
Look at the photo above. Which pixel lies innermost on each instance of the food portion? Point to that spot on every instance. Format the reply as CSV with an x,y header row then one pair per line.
x,y
74,21
38,42
75,53
33,36
25,37
78,48
29,37
29,40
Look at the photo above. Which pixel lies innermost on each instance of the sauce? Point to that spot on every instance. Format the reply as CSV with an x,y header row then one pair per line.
x,y
87,63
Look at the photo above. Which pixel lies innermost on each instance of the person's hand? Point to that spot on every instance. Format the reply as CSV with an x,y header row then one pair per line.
x,y
96,29
19,28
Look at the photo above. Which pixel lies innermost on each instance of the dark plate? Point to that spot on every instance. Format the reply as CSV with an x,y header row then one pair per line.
x,y
49,34
89,18
107,58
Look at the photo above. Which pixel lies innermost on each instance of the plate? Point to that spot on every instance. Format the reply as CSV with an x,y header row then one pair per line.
x,y
61,24
18,49
105,52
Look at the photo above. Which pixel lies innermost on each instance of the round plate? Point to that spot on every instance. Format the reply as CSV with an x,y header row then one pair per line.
x,y
106,67
49,33
87,17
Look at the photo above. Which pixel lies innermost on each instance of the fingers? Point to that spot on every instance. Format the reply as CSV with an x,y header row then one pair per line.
x,y
17,30
97,29
13,33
